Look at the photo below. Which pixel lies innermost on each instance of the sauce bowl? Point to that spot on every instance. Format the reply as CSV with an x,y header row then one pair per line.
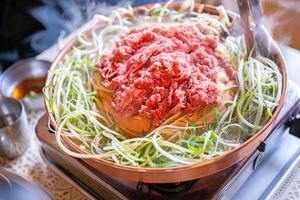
x,y
22,70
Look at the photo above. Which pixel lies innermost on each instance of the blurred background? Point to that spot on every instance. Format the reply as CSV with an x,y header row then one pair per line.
x,y
28,27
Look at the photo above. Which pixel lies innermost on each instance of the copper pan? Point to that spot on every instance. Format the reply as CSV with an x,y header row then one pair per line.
x,y
187,172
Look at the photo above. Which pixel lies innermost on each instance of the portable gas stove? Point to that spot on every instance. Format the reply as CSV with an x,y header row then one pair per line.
x,y
253,178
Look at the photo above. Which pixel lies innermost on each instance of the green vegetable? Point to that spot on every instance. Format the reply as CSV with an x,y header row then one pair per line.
x,y
159,12
32,95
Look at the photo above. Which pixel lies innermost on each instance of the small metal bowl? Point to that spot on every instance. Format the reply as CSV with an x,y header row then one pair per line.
x,y
21,70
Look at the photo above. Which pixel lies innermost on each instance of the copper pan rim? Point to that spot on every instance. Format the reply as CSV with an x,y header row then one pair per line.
x,y
185,172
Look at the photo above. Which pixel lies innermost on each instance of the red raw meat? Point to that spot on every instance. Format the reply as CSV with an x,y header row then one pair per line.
x,y
157,70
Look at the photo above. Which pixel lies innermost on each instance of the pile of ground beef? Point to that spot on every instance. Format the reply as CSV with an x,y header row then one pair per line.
x,y
157,70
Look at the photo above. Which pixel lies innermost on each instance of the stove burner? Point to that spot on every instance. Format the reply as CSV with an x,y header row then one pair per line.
x,y
172,188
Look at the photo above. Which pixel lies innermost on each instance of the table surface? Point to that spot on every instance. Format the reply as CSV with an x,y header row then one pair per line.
x,y
31,165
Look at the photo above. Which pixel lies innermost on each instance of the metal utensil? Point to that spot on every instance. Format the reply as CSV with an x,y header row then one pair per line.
x,y
258,40
257,13
262,38
245,13
14,135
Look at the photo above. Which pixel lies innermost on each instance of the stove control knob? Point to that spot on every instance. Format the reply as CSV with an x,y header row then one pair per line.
x,y
260,149
294,124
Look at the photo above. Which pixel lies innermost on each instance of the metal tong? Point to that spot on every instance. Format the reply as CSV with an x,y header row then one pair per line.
x,y
251,15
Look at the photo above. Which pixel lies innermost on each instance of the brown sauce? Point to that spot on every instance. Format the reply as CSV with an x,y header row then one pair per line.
x,y
29,88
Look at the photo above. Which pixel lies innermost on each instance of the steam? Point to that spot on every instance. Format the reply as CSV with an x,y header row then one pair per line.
x,y
289,5
83,10
284,17
63,17
273,21
74,13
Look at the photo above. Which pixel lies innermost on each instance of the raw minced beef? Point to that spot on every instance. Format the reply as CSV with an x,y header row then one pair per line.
x,y
158,70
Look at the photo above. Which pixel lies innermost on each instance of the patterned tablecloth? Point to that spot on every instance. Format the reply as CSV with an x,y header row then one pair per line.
x,y
32,167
